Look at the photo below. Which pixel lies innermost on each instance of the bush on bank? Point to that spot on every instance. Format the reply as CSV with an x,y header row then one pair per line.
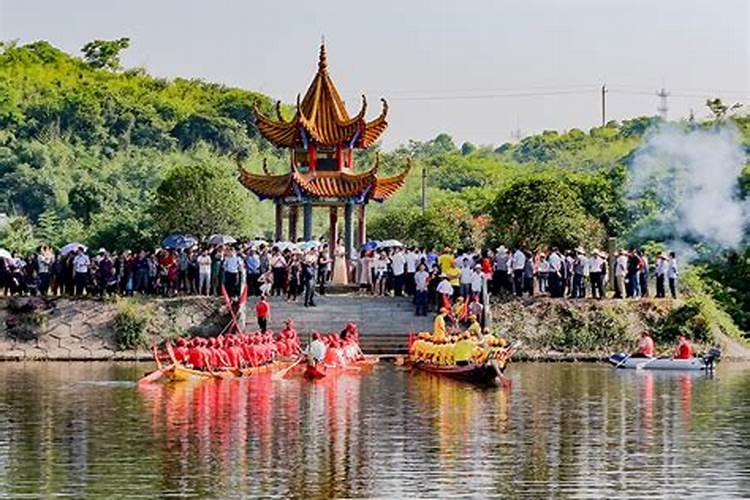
x,y
131,324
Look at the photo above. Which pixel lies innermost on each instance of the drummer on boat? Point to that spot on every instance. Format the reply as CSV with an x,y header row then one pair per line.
x,y
317,349
439,332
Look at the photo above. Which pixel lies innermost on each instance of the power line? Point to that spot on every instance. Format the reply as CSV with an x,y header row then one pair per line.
x,y
492,96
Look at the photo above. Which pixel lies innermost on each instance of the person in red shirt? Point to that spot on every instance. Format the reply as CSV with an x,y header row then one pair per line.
x,y
196,356
263,313
181,351
684,348
645,346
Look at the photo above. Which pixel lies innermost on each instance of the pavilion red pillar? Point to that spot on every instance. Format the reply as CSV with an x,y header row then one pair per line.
x,y
278,230
362,229
333,236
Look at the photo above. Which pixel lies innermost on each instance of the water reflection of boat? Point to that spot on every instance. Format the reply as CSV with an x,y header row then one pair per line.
x,y
320,371
236,437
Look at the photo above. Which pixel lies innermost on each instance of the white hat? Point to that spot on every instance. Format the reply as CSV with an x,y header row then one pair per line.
x,y
101,250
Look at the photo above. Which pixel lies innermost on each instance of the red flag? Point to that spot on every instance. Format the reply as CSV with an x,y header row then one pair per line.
x,y
243,297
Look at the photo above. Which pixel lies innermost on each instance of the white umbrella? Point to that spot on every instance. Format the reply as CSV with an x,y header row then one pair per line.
x,y
390,244
72,247
4,254
283,245
257,243
221,239
307,245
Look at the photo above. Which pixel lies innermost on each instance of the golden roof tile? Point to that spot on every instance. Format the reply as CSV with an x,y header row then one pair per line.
x,y
322,116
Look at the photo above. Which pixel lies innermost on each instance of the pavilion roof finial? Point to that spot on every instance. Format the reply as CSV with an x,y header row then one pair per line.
x,y
323,57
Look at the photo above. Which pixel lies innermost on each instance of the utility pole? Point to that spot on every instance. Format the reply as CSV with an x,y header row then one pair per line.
x,y
424,186
604,104
662,94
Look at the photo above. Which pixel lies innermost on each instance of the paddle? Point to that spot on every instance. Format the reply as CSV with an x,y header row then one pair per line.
x,y
643,365
622,362
281,373
154,375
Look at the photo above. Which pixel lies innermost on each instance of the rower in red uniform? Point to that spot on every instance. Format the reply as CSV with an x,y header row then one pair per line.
x,y
230,353
181,351
684,348
196,356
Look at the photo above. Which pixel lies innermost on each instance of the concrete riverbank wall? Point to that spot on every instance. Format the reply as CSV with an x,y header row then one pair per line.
x,y
565,330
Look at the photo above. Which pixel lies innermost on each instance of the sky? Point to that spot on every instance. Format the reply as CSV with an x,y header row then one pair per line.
x,y
483,71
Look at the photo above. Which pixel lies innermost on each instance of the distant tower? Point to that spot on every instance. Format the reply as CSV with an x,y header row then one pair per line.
x,y
516,134
663,108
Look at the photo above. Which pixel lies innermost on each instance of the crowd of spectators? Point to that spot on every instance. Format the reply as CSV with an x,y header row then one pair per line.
x,y
299,272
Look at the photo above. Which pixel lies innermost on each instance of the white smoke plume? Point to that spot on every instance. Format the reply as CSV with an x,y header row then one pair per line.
x,y
693,174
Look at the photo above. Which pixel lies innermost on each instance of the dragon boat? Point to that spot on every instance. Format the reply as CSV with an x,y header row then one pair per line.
x,y
342,354
485,367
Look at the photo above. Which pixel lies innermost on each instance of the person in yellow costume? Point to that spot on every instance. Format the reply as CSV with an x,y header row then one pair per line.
x,y
439,333
475,329
457,309
463,350
445,260
453,273
419,347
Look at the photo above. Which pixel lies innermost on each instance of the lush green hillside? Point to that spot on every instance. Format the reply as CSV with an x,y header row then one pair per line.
x,y
87,146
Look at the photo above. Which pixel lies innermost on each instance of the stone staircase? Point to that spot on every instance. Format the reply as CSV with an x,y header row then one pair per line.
x,y
384,322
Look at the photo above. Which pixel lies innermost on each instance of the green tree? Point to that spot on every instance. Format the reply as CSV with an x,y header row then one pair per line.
x,y
17,235
202,199
87,198
541,210
105,53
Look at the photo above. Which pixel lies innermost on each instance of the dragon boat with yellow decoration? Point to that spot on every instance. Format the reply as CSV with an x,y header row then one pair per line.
x,y
461,357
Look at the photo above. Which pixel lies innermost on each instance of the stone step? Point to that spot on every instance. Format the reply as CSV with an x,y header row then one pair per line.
x,y
384,322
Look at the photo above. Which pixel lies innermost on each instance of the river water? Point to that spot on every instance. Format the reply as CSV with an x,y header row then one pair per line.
x,y
561,430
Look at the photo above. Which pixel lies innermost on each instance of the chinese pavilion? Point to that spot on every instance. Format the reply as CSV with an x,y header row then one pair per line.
x,y
321,137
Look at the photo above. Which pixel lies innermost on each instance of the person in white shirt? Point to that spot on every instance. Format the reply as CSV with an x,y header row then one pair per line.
x,y
44,262
81,263
518,263
555,273
596,276
421,281
204,273
672,274
444,291
411,268
465,278
398,264
232,269
500,270
542,272
317,349
621,270
477,278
